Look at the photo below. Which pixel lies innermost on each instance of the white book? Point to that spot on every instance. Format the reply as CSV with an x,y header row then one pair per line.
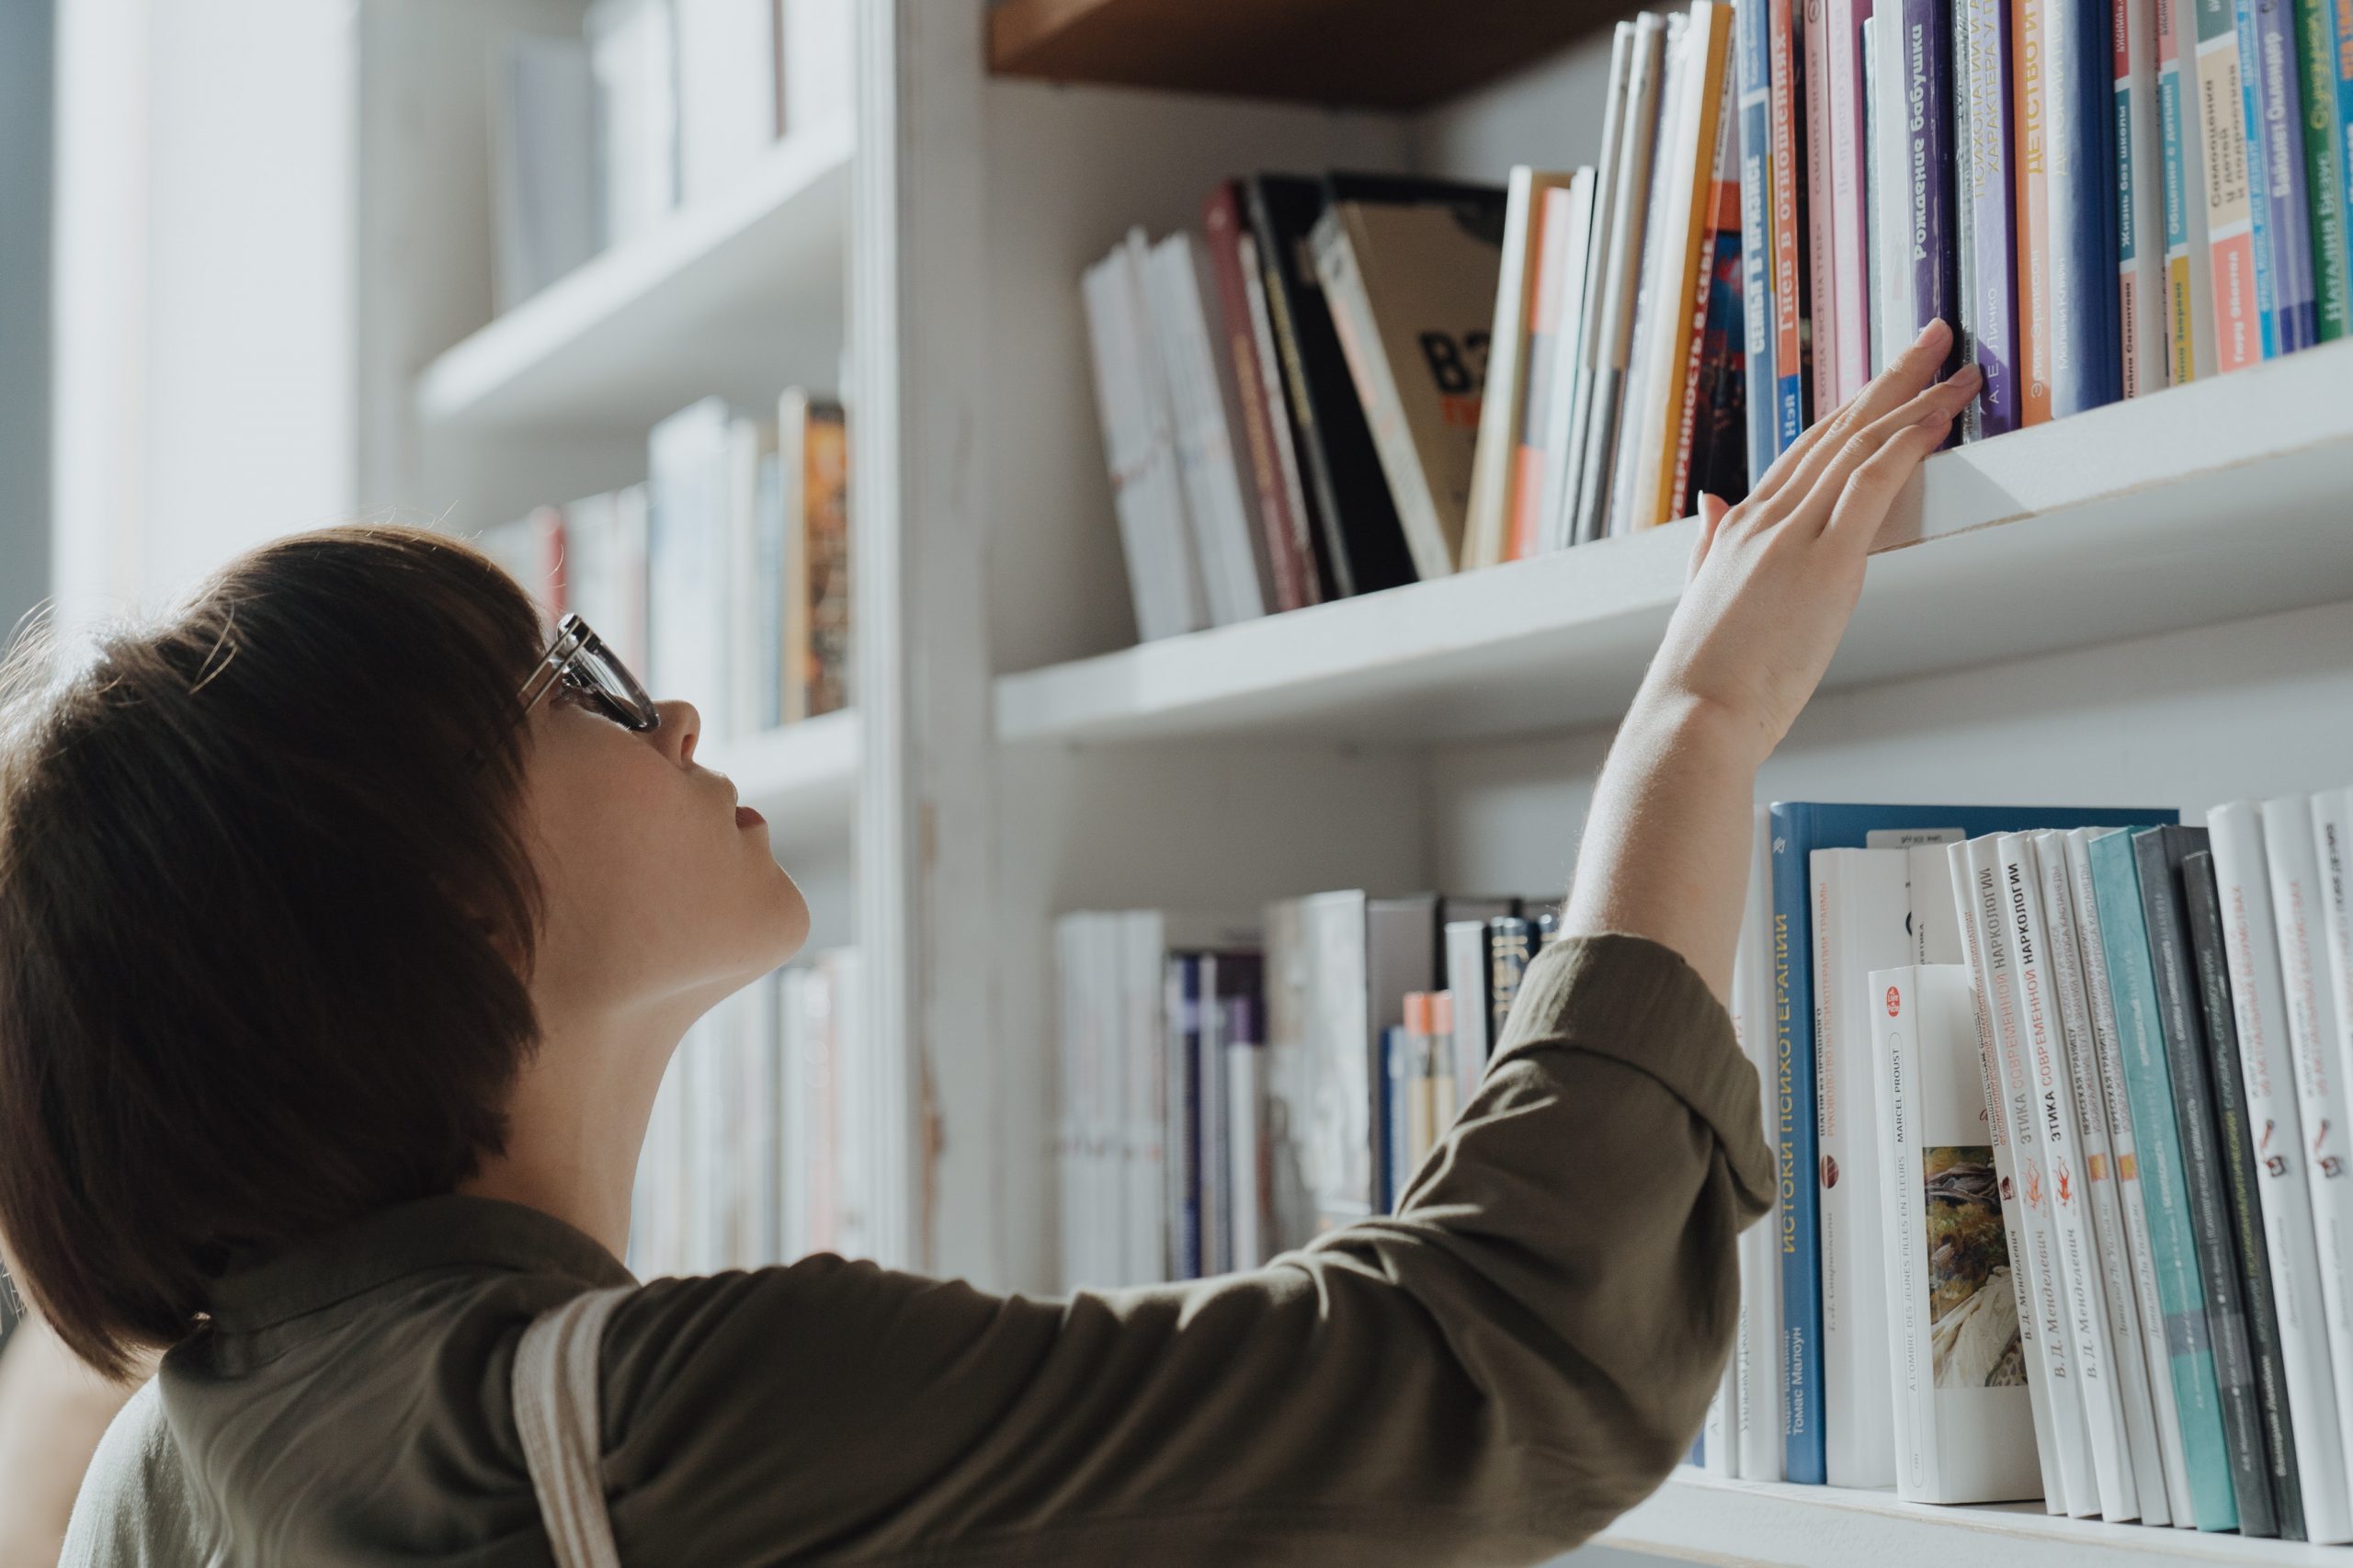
x,y
1963,1420
2299,899
1874,249
2331,813
632,51
759,1159
1654,298
1466,977
2120,1293
727,91
2259,1008
1139,449
1621,278
1861,903
1895,317
543,170
2123,1149
1207,410
1245,1093
1070,959
1144,1253
1486,518
1982,902
854,1171
1565,446
1562,399
686,485
817,64
1756,1357
792,1117
1339,1035
2056,1122
748,441
1686,189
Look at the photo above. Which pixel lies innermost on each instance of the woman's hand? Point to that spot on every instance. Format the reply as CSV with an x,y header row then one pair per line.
x,y
1773,581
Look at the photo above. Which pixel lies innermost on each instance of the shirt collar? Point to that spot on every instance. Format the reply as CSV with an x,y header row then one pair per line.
x,y
454,1230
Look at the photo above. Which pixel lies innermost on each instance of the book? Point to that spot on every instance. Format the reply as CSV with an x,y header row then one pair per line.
x,y
687,560
1363,544
2321,34
1963,1423
1843,362
1628,472
2078,96
2221,158
2240,1162
1409,267
1874,262
1989,306
1466,977
2158,856
727,91
1513,340
1281,512
2189,288
2138,1253
2276,195
1630,210
632,56
1756,1358
543,172
1861,923
2179,1293
2029,81
1205,407
2141,292
813,465
1927,94
1566,443
1790,406
1556,357
1140,447
2068,974
1817,152
1250,1176
2279,1147
1752,47
1510,947
1713,452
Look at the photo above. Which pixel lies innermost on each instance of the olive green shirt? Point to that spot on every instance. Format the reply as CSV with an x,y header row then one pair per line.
x,y
1490,1375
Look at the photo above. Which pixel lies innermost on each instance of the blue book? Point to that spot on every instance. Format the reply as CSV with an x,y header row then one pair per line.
x,y
2173,1245
1751,35
1396,1096
1799,829
2087,366
2274,175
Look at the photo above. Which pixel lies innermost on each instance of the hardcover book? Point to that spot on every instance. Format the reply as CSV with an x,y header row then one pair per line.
x,y
2189,287
2275,165
1752,37
1281,511
2221,156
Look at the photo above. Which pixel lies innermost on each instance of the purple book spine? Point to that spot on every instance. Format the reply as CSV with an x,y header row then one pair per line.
x,y
1984,100
1927,140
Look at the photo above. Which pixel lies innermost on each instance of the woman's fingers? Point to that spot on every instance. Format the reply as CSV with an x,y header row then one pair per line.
x,y
1713,509
1814,507
1797,468
1862,506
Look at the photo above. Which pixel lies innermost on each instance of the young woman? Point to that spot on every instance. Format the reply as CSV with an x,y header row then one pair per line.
x,y
346,930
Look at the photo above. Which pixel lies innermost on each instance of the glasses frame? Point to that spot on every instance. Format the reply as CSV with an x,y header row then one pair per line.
x,y
574,641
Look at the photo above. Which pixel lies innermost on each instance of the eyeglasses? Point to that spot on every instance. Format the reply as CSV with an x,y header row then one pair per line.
x,y
578,659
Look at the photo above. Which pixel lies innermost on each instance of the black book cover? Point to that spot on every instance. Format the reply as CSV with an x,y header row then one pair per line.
x,y
1508,954
1360,545
2237,1145
2157,855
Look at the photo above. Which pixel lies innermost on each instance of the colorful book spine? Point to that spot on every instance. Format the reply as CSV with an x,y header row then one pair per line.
x,y
2173,1248
2222,155
1823,393
1850,291
2190,294
1804,1457
1223,230
1788,297
2324,59
1752,63
2030,63
2139,205
1714,308
2078,92
1991,308
2275,164
1928,130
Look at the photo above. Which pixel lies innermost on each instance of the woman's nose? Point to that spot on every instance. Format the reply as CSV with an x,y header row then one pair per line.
x,y
680,727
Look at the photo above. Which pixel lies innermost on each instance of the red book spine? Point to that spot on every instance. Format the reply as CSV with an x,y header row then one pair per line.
x,y
1222,221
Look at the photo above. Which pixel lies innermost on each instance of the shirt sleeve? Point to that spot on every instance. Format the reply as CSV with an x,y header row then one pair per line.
x,y
1490,1375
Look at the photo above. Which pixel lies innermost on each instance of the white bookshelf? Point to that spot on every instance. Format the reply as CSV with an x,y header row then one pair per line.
x,y
802,777
2127,521
1704,1520
739,294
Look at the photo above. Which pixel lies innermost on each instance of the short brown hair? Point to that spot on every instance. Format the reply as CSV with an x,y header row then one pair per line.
x,y
264,930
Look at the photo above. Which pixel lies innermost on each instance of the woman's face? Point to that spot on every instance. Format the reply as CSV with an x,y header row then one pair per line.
x,y
659,888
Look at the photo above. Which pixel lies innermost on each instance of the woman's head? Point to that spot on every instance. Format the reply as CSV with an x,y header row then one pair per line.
x,y
287,888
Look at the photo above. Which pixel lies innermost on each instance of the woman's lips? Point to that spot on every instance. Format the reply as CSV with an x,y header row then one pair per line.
x,y
746,817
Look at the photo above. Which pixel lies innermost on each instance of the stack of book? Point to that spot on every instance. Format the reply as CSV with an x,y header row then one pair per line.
x,y
2062,1126
723,579
1349,383
1231,1087
653,105
751,1154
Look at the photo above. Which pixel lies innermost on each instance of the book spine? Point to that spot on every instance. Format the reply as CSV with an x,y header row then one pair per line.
x,y
1757,1352
1752,36
2236,1137
2079,1490
2141,252
2275,1128
1690,444
1312,580
1221,226
1971,425
2275,161
1553,295
2132,1190
1896,1056
2318,43
1826,391
2079,196
1850,156
2056,1119
2223,148
1510,346
1789,299
2103,1180
2342,57
2029,73
1803,1454
1928,128
1508,954
1993,225
1874,262
2189,305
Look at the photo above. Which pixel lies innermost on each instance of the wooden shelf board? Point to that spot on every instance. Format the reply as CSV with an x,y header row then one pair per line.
x,y
1703,1518
2207,502
803,777
743,289
1387,54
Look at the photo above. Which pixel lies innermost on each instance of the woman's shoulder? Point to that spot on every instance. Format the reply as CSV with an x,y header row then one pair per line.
x,y
134,1506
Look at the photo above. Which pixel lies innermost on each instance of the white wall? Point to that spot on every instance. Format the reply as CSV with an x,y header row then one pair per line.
x,y
204,343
